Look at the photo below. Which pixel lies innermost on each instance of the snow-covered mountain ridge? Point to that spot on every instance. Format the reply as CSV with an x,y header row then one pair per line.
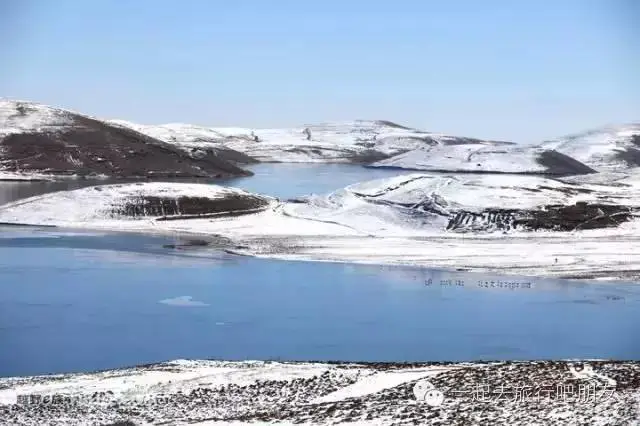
x,y
386,144
371,142
359,141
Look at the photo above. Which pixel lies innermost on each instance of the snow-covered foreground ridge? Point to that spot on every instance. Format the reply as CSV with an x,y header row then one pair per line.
x,y
108,206
255,392
520,224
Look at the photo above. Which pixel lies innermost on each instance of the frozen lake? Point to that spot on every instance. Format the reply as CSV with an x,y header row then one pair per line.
x,y
85,302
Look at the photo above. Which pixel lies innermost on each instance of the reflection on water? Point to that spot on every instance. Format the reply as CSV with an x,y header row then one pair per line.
x,y
12,191
104,248
146,303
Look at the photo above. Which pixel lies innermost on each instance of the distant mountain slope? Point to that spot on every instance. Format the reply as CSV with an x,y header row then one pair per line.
x,y
42,140
479,158
604,149
359,141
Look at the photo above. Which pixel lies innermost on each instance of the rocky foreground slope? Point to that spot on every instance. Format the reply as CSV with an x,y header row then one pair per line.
x,y
217,392
44,141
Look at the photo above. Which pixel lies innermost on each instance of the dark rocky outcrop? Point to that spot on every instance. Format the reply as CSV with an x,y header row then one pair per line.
x,y
575,217
368,156
579,216
629,156
87,147
165,208
392,124
562,165
187,244
234,156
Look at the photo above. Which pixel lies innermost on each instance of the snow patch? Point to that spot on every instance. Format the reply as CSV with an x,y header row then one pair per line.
x,y
27,117
378,382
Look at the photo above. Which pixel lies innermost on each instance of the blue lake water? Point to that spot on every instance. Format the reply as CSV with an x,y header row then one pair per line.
x,y
294,180
87,302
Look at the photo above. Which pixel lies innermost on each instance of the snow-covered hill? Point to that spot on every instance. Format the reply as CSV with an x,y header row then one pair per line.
x,y
402,206
418,202
526,224
479,158
358,141
18,117
605,149
113,205
40,140
208,393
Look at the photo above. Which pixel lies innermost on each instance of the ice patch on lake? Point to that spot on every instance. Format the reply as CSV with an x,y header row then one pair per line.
x,y
183,301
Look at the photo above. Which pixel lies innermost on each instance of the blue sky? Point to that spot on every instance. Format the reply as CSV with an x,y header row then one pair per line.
x,y
513,70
